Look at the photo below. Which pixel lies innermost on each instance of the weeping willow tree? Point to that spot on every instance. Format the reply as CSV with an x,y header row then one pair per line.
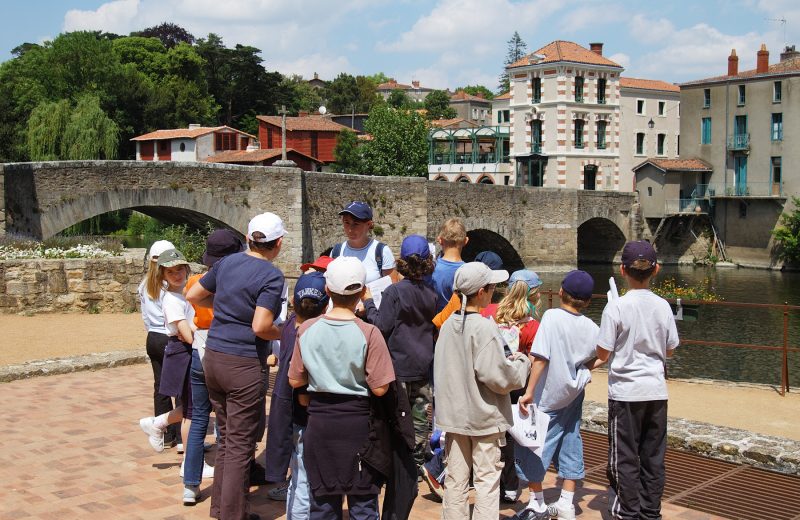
x,y
45,127
56,131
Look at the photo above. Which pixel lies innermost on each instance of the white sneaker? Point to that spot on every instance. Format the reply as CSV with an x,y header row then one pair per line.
x,y
154,434
190,495
560,511
208,471
179,448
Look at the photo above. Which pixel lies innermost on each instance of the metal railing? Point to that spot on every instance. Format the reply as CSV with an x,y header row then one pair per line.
x,y
783,348
466,158
686,206
749,189
739,142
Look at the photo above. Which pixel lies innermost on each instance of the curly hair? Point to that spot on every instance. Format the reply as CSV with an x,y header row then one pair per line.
x,y
514,306
415,268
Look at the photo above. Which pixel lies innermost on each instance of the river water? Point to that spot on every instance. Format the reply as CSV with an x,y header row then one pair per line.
x,y
727,324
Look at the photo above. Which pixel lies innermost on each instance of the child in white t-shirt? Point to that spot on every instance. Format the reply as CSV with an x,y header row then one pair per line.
x,y
562,356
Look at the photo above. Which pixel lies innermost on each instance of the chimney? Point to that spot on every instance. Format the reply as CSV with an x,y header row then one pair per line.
x,y
733,64
316,76
596,48
789,53
762,60
302,113
192,126
415,83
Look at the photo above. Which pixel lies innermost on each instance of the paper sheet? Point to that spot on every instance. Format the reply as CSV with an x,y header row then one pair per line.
x,y
377,287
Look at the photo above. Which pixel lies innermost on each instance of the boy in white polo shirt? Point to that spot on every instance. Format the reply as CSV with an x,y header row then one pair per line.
x,y
637,335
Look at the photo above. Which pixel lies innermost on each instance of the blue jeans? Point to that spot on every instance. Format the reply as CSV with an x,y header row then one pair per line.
x,y
563,447
298,502
193,466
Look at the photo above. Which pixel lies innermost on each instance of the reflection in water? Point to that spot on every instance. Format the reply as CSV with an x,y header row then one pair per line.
x,y
753,326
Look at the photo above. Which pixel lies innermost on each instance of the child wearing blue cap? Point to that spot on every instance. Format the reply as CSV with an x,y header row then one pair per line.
x,y
637,335
562,356
376,256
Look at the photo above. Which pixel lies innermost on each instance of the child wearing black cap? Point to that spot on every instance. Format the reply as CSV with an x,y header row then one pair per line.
x,y
562,356
637,335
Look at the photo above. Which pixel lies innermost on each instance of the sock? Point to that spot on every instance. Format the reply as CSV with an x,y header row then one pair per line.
x,y
536,502
566,497
161,421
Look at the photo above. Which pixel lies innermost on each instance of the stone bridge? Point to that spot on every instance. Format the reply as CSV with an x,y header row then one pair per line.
x,y
536,227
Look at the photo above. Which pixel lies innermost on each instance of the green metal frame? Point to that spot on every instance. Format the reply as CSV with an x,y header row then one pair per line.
x,y
473,135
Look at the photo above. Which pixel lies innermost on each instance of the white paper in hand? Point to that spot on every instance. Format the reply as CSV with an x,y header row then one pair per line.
x,y
377,287
530,430
612,293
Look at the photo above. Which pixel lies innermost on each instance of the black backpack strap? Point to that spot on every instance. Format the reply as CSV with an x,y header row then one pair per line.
x,y
337,250
379,256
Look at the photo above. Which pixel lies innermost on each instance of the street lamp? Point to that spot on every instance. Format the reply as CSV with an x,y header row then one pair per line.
x,y
651,123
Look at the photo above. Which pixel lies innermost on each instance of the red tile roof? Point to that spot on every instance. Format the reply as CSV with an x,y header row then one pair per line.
x,y
392,84
317,123
788,66
253,156
648,84
504,95
463,96
186,133
561,50
688,165
456,121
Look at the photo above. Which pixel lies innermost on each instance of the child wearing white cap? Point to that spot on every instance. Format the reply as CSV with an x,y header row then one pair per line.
x,y
473,379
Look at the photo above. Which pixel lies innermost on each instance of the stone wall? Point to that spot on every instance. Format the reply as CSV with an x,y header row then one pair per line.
x,y
70,285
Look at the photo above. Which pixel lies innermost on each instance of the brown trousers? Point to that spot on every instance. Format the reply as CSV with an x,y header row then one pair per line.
x,y
235,388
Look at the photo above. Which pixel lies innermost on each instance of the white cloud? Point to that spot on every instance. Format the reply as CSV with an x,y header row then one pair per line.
x,y
591,17
114,17
621,58
647,30
327,66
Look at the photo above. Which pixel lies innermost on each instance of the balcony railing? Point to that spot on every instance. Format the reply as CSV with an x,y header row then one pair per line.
x,y
686,206
750,189
466,158
739,142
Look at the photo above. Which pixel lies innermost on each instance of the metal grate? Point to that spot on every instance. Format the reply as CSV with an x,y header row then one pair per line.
x,y
712,486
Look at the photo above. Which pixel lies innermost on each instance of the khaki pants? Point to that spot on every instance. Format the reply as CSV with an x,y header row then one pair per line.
x,y
481,456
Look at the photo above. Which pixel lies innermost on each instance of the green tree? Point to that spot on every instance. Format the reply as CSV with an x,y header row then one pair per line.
x,y
367,94
516,49
437,104
347,153
787,234
169,34
378,78
399,144
398,99
46,130
478,90
148,55
302,96
342,94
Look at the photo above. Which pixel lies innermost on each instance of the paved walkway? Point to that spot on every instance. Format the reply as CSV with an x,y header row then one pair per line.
x,y
71,448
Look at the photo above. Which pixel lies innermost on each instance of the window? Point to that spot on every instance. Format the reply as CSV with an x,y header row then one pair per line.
x,y
183,147
776,92
314,144
601,135
705,131
225,141
649,191
662,105
536,136
269,137
579,89
776,171
640,143
579,133
601,91
537,90
777,127
662,138
678,145
640,106
741,95
706,98
503,116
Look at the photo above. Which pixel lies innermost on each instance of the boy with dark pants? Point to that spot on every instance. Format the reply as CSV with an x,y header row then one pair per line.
x,y
637,335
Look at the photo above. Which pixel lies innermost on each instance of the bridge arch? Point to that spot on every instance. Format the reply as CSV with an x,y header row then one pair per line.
x,y
167,205
486,240
599,240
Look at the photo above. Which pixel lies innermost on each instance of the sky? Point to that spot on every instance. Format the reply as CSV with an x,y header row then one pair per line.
x,y
441,43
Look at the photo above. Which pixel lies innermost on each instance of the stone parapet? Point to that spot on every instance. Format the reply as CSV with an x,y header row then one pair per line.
x,y
49,367
716,442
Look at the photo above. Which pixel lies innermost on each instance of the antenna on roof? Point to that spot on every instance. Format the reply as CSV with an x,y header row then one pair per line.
x,y
782,21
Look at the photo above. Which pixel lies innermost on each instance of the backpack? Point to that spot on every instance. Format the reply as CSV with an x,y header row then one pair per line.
x,y
337,251
511,332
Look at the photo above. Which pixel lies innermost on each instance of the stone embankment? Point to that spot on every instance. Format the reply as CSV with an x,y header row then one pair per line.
x,y
717,442
71,285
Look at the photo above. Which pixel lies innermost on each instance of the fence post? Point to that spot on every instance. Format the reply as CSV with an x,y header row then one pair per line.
x,y
785,360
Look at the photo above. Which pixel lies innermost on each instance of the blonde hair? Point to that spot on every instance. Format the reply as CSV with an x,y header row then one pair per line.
x,y
453,233
160,275
514,306
152,284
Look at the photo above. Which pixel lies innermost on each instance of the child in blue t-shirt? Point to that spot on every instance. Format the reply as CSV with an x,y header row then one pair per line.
x,y
562,356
